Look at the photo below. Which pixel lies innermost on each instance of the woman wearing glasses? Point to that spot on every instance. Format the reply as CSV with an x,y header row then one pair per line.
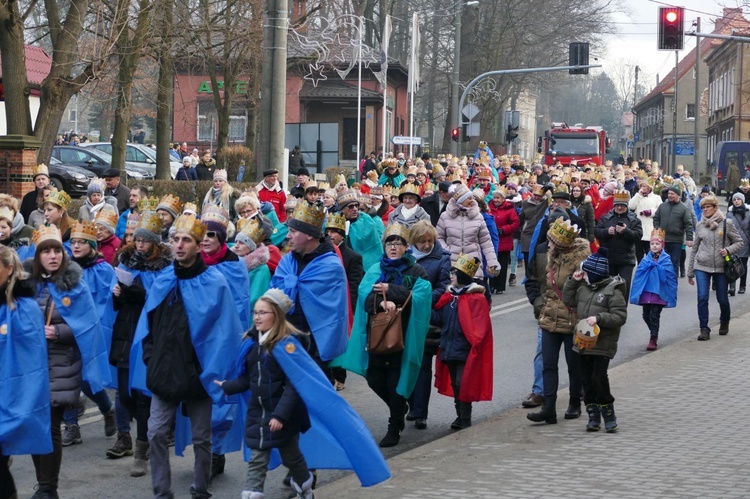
x,y
142,261
397,283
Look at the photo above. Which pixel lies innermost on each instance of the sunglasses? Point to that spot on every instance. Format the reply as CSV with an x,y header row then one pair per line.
x,y
211,234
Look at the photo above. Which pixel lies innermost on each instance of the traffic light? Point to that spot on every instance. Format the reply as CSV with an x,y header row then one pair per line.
x,y
455,134
465,133
671,28
512,133
578,55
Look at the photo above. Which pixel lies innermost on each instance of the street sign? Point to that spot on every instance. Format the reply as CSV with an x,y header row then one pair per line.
x,y
404,140
473,129
629,144
636,137
685,147
470,111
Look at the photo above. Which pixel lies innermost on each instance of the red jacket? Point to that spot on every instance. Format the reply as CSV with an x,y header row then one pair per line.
x,y
276,197
108,248
507,222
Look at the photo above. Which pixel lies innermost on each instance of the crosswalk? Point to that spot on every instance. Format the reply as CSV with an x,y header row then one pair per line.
x,y
508,307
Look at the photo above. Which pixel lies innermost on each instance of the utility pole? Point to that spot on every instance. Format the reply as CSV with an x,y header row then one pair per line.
x,y
696,106
635,90
455,111
673,165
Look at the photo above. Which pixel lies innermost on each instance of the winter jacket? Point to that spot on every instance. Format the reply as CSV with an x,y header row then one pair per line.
x,y
205,171
130,303
644,207
465,231
709,240
431,204
188,173
529,218
621,245
585,211
85,215
276,196
272,395
606,301
676,220
172,365
397,216
64,357
108,248
507,223
547,269
453,343
437,264
742,223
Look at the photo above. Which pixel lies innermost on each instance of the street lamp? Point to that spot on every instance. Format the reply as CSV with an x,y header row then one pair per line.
x,y
455,112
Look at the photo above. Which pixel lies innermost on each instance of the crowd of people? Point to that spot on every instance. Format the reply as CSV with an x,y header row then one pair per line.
x,y
239,317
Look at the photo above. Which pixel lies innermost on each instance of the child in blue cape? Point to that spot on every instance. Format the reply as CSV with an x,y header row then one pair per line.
x,y
654,285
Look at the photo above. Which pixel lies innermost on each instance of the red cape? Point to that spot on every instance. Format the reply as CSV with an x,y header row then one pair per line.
x,y
603,207
474,318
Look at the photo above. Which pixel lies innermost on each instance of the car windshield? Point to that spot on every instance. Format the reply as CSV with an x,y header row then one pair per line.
x,y
575,145
105,156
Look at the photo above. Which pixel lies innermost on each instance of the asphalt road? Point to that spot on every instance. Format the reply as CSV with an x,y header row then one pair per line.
x,y
88,474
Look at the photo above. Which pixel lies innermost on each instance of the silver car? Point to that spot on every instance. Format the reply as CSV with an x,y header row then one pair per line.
x,y
139,154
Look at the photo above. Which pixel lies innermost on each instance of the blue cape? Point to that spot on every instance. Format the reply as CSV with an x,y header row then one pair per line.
x,y
100,279
365,238
75,307
356,358
215,329
25,252
323,297
235,272
656,277
337,438
24,381
122,223
395,181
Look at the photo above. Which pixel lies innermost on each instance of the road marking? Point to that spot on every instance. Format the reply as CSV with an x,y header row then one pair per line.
x,y
509,310
508,303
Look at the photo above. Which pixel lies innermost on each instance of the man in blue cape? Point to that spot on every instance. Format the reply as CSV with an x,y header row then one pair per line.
x,y
365,232
188,329
314,278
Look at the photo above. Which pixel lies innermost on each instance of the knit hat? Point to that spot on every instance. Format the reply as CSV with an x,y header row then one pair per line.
x,y
149,227
706,189
186,160
107,219
511,185
596,266
738,195
96,186
676,189
220,175
303,171
278,297
244,238
610,187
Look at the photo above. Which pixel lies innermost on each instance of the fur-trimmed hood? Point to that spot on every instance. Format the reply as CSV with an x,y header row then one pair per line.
x,y
129,259
256,258
454,211
471,288
586,199
562,256
65,281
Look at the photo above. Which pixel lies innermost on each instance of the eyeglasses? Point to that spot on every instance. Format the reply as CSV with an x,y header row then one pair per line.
x,y
211,234
77,242
353,205
139,240
261,313
247,213
394,244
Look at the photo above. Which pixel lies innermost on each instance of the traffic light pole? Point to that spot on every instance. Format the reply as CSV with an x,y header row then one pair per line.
x,y
473,82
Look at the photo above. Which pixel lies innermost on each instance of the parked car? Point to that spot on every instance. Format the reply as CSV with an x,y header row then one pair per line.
x,y
96,161
726,152
71,178
139,154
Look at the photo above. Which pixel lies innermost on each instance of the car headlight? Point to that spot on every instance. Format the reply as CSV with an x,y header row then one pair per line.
x,y
80,177
135,174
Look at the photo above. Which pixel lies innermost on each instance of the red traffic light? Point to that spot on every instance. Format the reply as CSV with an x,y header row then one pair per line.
x,y
671,16
455,134
671,32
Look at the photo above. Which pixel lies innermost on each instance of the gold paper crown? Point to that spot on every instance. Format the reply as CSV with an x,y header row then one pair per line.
x,y
312,214
291,203
347,196
396,229
667,180
339,178
252,229
412,170
455,177
658,234
409,189
377,190
190,225
324,186
387,190
83,230
395,192
538,190
148,204
107,217
46,233
59,198
336,221
467,264
502,190
190,207
170,202
460,191
7,214
621,196
364,199
214,213
150,221
40,169
132,222
311,184
561,187
482,144
422,170
484,173
562,233
437,170
745,182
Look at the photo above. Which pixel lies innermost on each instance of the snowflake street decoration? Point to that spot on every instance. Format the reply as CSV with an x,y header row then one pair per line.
x,y
334,45
485,91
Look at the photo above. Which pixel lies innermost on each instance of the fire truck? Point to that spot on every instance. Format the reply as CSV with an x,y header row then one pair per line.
x,y
565,143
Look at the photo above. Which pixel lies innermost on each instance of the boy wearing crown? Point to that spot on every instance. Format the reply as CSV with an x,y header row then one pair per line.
x,y
137,193
463,367
620,231
188,329
33,199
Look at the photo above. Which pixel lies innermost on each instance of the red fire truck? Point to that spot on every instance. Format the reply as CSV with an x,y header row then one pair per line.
x,y
565,143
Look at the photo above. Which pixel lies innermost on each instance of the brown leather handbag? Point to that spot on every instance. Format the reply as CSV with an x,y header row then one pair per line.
x,y
385,333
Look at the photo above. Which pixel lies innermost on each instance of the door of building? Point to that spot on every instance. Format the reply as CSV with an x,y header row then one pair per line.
x,y
350,139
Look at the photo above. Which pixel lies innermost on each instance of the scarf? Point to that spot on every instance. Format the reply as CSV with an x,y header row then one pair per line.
x,y
216,257
392,270
93,209
739,211
713,222
418,255
407,213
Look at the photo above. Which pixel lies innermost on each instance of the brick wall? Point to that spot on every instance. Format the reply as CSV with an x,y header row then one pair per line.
x,y
17,161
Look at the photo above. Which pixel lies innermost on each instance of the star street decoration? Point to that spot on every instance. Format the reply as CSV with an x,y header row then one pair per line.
x,y
335,45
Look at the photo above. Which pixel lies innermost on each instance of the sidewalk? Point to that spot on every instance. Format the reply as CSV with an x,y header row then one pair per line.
x,y
683,415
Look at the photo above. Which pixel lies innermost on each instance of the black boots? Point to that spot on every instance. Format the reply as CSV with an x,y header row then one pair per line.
x,y
724,328
463,411
217,465
391,438
610,420
548,413
574,410
595,417
705,334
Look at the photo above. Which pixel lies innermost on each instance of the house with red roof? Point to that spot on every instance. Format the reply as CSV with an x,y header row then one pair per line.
x,y
38,66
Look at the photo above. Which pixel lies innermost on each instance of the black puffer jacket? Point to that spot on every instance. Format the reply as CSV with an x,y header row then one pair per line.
x,y
621,245
64,357
271,396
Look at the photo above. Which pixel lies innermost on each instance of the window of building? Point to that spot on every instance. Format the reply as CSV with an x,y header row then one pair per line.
x,y
73,115
208,123
690,112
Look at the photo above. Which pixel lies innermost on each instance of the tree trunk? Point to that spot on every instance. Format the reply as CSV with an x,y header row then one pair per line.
x,y
164,93
15,84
